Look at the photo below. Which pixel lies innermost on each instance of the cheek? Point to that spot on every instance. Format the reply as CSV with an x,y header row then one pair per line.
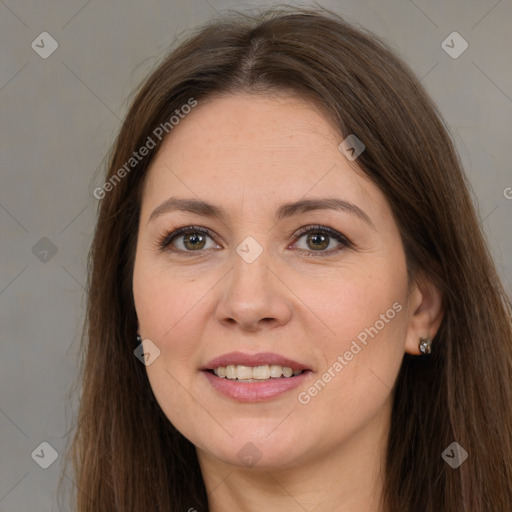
x,y
360,302
167,309
164,297
361,366
364,349
160,305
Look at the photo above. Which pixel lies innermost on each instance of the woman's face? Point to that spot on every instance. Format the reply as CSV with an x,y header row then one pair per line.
x,y
291,262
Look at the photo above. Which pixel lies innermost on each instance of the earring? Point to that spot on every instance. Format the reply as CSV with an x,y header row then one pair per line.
x,y
139,339
425,345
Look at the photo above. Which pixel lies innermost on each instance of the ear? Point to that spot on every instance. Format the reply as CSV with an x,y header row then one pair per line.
x,y
426,303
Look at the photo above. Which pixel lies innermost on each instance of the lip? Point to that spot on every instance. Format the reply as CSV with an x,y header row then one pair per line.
x,y
259,359
255,391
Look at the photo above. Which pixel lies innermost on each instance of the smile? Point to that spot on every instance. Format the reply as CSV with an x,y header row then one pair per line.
x,y
254,377
255,373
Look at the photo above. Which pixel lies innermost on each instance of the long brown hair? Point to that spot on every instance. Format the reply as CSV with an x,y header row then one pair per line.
x,y
127,455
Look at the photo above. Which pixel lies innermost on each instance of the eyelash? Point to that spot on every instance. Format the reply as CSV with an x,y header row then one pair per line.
x,y
168,237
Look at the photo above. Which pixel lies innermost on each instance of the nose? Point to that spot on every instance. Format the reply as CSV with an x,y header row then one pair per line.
x,y
254,296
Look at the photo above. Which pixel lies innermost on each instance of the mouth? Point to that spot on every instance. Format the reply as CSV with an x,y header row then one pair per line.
x,y
256,377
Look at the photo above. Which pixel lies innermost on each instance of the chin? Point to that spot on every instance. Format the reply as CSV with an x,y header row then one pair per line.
x,y
256,449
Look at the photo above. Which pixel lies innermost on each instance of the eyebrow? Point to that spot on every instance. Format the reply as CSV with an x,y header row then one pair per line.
x,y
286,210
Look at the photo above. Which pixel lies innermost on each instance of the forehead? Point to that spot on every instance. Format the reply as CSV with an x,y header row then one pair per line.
x,y
243,123
264,148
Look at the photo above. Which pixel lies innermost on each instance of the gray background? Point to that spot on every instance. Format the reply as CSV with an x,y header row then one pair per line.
x,y
59,116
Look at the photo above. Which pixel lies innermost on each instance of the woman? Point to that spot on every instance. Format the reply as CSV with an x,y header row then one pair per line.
x,y
291,304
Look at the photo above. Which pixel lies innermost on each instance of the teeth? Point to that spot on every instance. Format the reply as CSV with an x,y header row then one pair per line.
x,y
243,372
261,372
230,372
252,373
276,371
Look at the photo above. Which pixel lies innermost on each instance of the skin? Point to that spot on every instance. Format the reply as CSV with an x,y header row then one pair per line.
x,y
232,151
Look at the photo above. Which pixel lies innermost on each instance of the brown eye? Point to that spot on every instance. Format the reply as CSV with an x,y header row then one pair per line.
x,y
188,239
319,238
194,241
319,241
